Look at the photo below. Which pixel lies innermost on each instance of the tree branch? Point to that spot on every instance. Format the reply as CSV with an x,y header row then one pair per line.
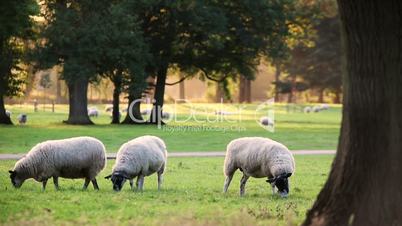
x,y
177,82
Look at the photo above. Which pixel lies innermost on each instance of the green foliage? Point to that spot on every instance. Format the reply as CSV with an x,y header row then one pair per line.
x,y
16,25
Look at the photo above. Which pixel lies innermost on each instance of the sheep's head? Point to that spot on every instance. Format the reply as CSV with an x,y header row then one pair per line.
x,y
282,183
16,180
118,179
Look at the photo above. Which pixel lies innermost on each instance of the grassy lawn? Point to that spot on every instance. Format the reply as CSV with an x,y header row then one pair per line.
x,y
294,129
191,195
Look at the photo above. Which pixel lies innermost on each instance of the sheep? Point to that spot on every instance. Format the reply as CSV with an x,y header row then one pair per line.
x,y
317,109
79,157
8,113
307,109
22,118
324,106
93,112
219,112
139,158
259,157
109,108
266,121
146,111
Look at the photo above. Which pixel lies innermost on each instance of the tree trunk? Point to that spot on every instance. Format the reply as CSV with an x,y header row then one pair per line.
x,y
182,94
117,82
365,183
156,114
78,102
337,99
4,119
321,96
247,91
219,95
277,75
242,89
134,108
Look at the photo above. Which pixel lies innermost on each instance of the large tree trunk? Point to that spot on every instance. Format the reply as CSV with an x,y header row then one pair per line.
x,y
58,91
321,96
182,92
4,119
247,91
219,94
365,183
156,114
78,102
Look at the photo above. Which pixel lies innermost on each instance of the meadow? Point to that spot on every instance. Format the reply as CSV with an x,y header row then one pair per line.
x,y
191,195
194,127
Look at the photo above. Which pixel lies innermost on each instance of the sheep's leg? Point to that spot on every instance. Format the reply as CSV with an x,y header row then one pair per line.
x,y
56,182
243,182
160,179
140,182
95,184
86,184
228,179
44,182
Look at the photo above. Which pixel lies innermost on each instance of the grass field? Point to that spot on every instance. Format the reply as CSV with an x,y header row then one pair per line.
x,y
191,195
295,129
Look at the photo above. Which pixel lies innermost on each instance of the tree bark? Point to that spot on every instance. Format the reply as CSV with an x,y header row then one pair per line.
x,y
182,92
4,119
247,91
117,82
242,89
135,111
156,114
58,91
78,102
365,182
321,96
277,75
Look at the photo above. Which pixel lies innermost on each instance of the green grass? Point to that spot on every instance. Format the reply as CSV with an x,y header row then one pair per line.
x,y
191,195
295,129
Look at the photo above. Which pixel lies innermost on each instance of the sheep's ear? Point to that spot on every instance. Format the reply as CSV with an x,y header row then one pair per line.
x,y
108,177
288,175
11,172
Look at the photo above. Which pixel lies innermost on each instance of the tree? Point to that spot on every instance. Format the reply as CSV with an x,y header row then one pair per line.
x,y
222,39
45,83
16,25
364,185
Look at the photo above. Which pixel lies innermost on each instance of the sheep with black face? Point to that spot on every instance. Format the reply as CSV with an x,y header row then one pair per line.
x,y
78,157
259,157
139,158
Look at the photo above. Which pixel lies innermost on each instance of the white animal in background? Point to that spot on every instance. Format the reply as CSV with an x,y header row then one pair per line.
x,y
317,109
259,157
307,109
79,157
93,112
8,113
140,157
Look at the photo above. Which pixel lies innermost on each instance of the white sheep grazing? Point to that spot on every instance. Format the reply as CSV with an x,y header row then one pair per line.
x,y
259,157
22,118
139,158
79,157
93,112
266,121
8,113
324,106
307,109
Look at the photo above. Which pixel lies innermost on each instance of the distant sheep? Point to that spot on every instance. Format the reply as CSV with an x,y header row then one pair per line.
x,y
8,113
324,106
259,157
139,158
22,119
317,109
109,108
79,157
219,112
266,121
93,112
307,109
146,111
